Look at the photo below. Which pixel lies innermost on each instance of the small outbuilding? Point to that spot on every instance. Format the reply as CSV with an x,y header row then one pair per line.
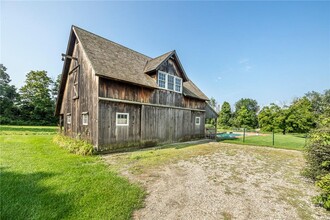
x,y
115,97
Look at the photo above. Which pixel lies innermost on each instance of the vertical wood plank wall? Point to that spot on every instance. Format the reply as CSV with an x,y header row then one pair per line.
x,y
87,100
147,123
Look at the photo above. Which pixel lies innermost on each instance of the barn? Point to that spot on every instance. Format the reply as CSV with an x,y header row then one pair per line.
x,y
115,97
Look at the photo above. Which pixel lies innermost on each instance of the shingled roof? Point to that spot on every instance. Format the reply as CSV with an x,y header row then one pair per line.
x,y
114,61
156,62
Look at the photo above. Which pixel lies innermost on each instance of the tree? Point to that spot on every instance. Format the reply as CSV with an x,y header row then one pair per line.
x,y
268,116
243,118
213,103
36,103
225,115
8,98
321,106
301,118
281,120
250,109
56,87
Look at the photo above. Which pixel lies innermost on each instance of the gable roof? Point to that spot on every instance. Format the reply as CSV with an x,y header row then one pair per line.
x,y
210,112
190,89
156,62
114,61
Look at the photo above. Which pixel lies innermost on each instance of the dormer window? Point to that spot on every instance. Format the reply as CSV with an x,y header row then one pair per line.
x,y
169,82
178,84
162,80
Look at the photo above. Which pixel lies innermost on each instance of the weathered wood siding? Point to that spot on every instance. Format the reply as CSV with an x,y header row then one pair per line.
x,y
109,133
147,124
124,91
171,67
87,100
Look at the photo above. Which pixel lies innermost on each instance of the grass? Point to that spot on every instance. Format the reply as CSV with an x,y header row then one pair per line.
x,y
40,180
288,141
27,130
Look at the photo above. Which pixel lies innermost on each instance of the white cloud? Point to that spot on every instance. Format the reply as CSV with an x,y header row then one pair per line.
x,y
245,64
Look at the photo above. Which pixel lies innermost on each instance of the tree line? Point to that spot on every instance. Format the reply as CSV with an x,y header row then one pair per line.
x,y
32,104
301,116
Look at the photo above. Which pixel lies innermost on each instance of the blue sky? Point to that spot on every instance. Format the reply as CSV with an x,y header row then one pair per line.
x,y
268,51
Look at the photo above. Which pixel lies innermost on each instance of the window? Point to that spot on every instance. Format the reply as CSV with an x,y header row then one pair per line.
x,y
75,75
122,119
68,118
197,121
169,82
178,83
85,118
161,80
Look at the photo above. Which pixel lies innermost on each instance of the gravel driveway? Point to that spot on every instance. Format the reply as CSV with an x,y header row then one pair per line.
x,y
232,182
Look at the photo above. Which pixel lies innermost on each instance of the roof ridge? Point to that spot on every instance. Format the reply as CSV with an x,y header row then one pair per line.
x,y
74,26
164,54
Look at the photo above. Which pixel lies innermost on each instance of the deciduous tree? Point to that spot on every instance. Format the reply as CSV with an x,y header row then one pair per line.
x,y
36,103
246,113
225,115
8,98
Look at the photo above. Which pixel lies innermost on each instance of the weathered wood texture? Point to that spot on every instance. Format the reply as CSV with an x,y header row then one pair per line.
x,y
171,67
79,97
120,90
147,124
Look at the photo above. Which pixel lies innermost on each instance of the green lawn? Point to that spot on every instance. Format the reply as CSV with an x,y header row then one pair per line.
x,y
39,180
288,141
27,130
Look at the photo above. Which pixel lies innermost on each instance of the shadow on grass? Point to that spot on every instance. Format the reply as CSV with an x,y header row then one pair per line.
x,y
24,197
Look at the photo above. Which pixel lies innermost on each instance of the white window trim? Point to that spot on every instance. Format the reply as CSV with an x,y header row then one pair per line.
x,y
199,120
158,76
166,82
84,114
119,113
175,84
67,118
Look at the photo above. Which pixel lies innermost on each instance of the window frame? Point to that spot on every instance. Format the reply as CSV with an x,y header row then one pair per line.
x,y
180,91
158,79
121,113
199,120
67,118
175,78
84,115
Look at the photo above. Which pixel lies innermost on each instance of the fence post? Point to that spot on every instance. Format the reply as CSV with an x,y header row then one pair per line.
x,y
243,135
273,138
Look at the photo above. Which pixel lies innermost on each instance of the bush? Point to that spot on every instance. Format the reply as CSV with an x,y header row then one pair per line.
x,y
324,199
74,145
318,163
318,153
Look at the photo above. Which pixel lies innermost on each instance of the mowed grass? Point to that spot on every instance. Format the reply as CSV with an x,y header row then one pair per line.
x,y
27,130
39,180
288,141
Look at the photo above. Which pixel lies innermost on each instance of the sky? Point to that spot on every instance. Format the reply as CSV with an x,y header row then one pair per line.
x,y
270,51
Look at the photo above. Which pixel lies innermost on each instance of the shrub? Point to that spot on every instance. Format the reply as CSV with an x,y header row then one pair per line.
x,y
324,198
318,153
318,163
75,146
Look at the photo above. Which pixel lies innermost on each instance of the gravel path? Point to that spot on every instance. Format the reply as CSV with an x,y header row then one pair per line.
x,y
233,182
